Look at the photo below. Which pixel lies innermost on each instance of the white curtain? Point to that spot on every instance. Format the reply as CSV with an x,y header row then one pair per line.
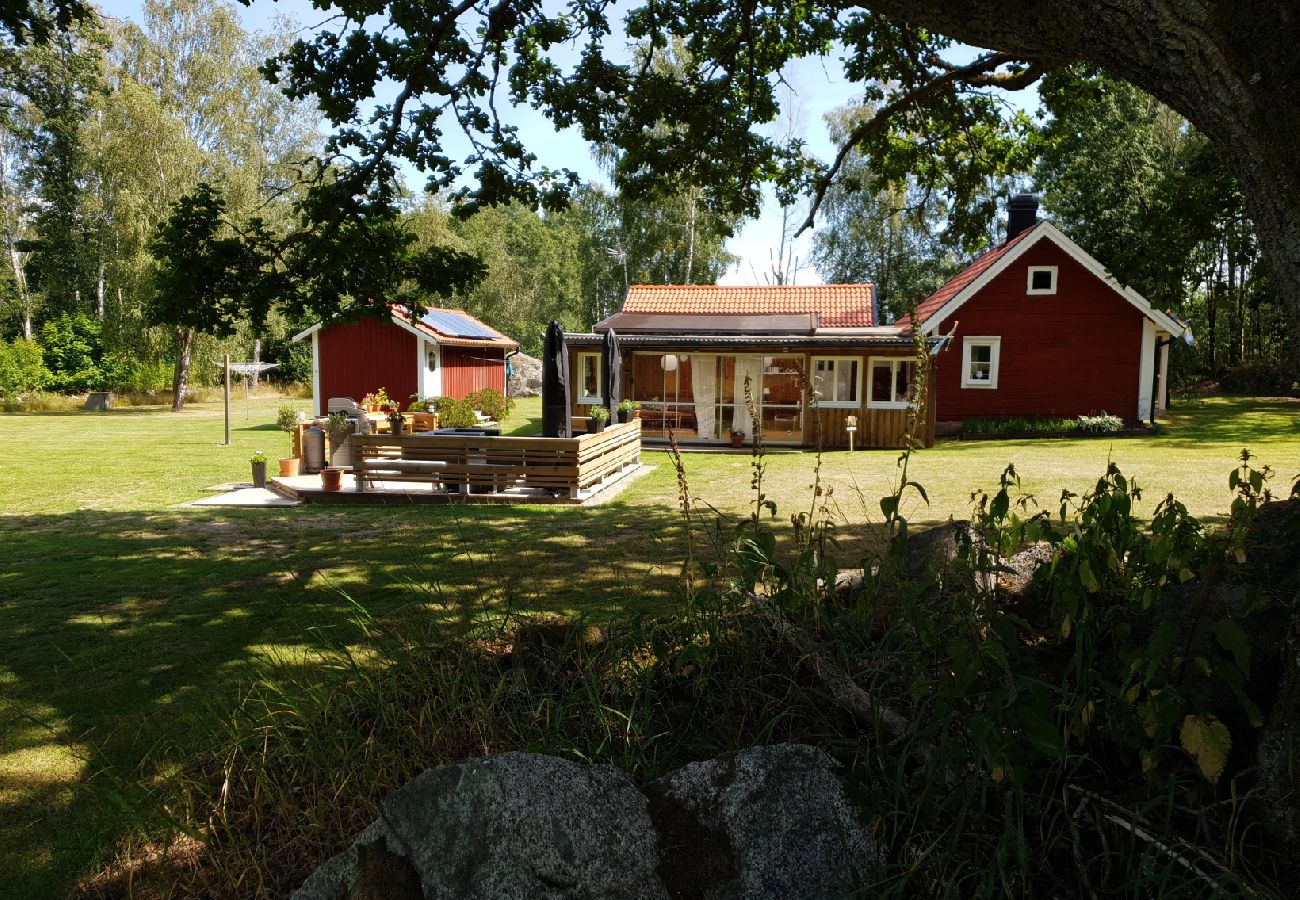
x,y
750,367
704,381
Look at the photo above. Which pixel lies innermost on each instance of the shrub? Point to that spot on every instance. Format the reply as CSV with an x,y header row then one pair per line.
x,y
492,403
455,413
22,368
74,351
1261,381
1102,424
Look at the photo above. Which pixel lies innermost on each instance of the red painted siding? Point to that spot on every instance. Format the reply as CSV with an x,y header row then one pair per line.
x,y
1071,353
469,369
363,356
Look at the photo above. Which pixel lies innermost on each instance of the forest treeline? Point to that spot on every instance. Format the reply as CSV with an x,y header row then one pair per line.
x,y
107,126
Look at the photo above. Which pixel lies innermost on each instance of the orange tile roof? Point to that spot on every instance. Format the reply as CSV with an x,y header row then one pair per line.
x,y
836,305
955,285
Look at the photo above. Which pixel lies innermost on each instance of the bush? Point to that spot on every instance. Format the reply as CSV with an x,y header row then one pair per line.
x,y
1017,425
491,403
1102,424
455,413
1261,381
22,368
74,351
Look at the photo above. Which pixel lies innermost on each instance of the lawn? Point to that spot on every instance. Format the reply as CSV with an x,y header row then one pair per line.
x,y
127,623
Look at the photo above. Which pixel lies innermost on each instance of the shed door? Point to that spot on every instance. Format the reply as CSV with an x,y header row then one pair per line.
x,y
430,370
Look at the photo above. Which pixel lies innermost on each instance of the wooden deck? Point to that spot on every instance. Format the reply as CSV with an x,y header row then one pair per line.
x,y
438,468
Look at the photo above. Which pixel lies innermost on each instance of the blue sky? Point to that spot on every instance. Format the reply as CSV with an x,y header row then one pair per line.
x,y
818,86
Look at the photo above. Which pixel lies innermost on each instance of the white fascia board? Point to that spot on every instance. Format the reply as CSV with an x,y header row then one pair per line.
x,y
1079,255
399,322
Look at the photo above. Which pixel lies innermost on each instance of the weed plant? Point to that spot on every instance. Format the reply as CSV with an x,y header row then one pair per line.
x,y
1068,744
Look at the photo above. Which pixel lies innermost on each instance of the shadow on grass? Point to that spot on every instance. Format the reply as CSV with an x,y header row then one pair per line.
x,y
125,636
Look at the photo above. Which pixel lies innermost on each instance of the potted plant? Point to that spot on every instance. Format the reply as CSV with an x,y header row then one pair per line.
x,y
331,478
287,420
258,459
737,438
597,416
395,423
629,410
376,401
338,428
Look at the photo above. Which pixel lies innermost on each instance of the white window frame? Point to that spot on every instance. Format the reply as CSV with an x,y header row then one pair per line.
x,y
823,402
1029,280
995,358
585,399
894,362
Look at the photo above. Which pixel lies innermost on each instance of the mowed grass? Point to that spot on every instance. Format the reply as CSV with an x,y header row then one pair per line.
x,y
128,624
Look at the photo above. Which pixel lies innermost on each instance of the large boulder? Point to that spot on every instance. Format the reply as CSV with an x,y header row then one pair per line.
x,y
504,826
765,822
525,376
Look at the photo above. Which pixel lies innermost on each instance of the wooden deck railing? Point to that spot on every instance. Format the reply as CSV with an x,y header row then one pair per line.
x,y
465,463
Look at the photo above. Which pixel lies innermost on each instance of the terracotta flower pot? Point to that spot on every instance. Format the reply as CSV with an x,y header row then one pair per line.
x,y
636,413
737,440
289,467
331,479
259,474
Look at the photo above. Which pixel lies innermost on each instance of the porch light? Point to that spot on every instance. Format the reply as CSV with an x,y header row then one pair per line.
x,y
669,363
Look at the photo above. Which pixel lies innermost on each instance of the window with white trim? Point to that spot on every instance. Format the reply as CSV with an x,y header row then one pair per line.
x,y
892,382
589,393
979,362
1041,280
837,381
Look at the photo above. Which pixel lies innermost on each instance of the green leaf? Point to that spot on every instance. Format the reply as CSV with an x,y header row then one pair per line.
x,y
1231,638
1208,741
1086,578
889,505
1040,732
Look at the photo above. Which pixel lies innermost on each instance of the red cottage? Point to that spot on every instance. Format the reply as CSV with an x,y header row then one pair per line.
x,y
1041,329
445,353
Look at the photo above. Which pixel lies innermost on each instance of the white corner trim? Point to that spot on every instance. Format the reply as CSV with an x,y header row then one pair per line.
x,y
1029,280
993,342
1046,229
1146,371
315,369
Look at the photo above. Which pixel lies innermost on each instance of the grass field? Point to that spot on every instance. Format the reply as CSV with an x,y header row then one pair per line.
x,y
127,624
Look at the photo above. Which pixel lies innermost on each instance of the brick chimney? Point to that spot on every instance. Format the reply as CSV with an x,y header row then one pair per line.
x,y
1022,214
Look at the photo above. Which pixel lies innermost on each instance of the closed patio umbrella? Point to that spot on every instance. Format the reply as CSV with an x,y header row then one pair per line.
x,y
556,407
612,386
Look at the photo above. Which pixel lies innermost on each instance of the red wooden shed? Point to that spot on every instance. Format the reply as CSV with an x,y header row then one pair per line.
x,y
444,353
1041,329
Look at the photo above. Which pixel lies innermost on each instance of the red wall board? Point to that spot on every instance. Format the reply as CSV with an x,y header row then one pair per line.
x,y
469,369
359,357
1075,352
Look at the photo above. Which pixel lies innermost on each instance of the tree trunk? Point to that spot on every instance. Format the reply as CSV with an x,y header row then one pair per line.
x,y
1228,66
690,238
181,375
99,286
256,375
1234,309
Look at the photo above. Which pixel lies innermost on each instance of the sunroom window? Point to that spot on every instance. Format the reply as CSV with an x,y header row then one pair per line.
x,y
892,383
836,382
589,380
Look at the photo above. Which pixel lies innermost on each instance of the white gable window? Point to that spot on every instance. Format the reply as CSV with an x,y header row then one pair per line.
x,y
892,382
589,380
1041,280
979,362
837,382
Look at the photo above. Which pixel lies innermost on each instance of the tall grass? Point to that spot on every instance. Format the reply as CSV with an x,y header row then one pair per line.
x,y
892,676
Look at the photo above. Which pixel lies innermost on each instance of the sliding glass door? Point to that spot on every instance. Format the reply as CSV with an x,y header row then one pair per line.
x,y
701,396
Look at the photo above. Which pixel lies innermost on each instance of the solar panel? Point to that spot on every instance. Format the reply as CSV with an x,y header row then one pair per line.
x,y
456,325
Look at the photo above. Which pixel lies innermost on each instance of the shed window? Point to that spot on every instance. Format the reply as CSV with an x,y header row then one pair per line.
x,y
892,383
1042,280
980,358
589,380
836,382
